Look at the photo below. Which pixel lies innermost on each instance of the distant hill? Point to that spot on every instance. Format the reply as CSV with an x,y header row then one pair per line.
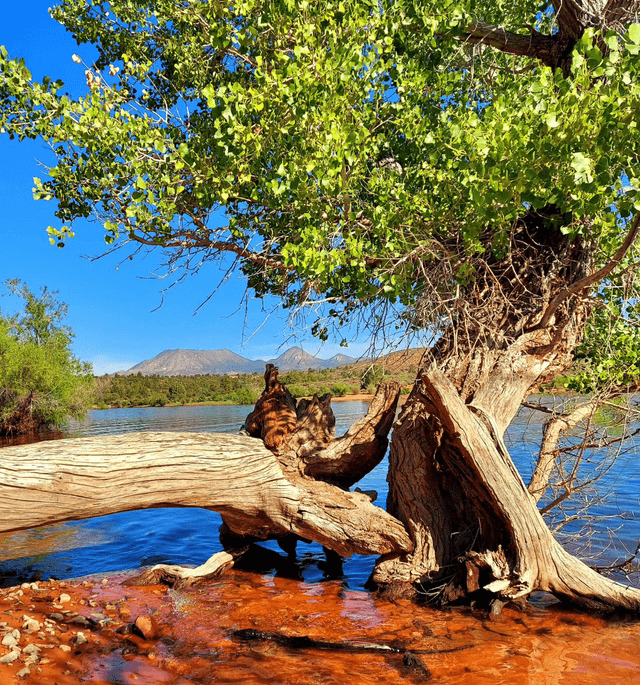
x,y
395,362
220,362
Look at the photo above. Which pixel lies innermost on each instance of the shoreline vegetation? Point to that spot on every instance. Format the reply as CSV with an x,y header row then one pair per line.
x,y
351,382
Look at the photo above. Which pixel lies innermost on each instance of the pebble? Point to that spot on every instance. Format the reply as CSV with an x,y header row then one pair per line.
x,y
146,627
80,639
31,625
10,658
23,673
9,640
64,597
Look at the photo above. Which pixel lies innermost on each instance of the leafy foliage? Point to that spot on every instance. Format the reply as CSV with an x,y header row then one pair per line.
x,y
608,357
138,390
41,382
372,377
348,155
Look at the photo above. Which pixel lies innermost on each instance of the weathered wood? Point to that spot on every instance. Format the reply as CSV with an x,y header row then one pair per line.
x,y
345,460
274,415
74,479
182,577
514,548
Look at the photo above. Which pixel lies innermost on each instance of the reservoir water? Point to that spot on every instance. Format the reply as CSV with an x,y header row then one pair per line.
x,y
546,645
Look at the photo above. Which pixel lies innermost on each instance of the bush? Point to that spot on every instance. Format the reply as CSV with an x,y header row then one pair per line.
x,y
372,377
339,390
41,382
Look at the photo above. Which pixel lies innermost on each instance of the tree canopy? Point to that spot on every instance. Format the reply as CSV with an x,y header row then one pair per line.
x,y
348,154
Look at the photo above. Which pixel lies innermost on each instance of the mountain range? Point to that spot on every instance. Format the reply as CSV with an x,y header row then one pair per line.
x,y
220,362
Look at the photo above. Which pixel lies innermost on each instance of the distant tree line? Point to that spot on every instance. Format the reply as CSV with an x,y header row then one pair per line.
x,y
157,391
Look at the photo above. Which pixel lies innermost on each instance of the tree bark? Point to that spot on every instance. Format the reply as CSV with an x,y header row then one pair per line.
x,y
66,480
483,532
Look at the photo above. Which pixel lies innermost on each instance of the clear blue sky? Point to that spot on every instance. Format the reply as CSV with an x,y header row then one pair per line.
x,y
111,304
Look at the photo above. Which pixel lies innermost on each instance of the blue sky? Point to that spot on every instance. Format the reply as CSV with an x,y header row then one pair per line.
x,y
111,304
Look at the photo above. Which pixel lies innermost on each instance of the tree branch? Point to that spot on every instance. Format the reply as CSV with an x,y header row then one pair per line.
x,y
592,279
534,44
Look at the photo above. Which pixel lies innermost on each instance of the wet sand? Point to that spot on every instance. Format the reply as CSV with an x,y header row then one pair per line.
x,y
82,634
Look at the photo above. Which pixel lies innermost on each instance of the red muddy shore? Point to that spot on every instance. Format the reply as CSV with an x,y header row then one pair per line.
x,y
81,632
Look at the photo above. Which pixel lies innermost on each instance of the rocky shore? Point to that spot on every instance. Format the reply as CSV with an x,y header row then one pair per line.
x,y
51,632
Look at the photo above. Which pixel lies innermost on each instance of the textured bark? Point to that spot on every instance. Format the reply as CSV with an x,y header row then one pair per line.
x,y
508,542
66,480
343,461
274,415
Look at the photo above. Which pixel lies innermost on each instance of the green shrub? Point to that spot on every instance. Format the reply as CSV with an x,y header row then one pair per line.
x,y
41,382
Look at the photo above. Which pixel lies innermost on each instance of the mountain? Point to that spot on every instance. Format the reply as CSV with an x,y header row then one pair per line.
x,y
193,362
296,359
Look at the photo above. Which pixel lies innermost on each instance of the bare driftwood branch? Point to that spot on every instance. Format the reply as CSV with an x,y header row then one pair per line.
x,y
180,576
65,480
549,447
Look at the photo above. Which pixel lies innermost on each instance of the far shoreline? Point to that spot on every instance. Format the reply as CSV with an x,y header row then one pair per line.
x,y
359,397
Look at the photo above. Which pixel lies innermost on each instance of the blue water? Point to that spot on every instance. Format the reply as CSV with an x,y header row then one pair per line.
x,y
190,536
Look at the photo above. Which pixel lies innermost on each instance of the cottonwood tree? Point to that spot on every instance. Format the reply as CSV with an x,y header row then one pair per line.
x,y
464,168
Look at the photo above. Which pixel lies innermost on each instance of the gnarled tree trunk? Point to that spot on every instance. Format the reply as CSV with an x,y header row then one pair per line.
x,y
475,527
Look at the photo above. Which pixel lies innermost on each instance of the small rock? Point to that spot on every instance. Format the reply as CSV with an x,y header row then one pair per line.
x,y
56,617
31,649
104,581
10,658
26,586
65,648
23,673
64,597
80,639
31,625
80,621
9,640
146,627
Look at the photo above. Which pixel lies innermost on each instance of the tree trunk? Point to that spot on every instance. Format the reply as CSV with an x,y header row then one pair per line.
x,y
259,494
475,527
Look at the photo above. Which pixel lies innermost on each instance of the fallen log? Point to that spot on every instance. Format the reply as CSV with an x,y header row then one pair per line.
x,y
73,479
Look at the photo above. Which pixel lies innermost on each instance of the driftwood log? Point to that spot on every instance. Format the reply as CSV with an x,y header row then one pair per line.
x,y
297,488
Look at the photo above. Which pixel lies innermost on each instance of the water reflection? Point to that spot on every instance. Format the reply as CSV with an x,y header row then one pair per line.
x,y
190,536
